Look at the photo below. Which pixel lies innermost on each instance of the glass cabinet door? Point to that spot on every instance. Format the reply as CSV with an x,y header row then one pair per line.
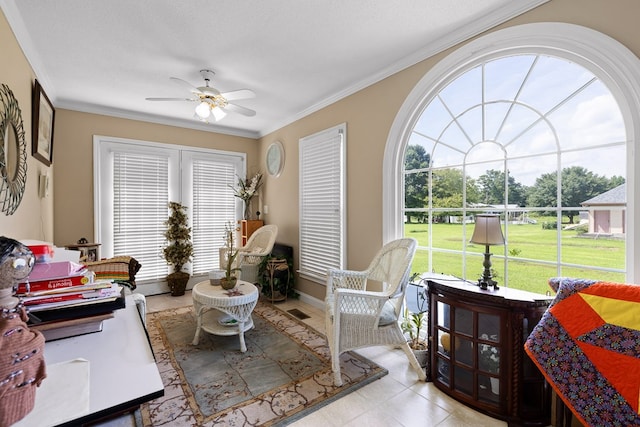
x,y
469,350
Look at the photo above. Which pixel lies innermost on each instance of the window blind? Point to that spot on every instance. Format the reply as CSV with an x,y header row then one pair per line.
x,y
140,194
134,182
213,205
322,206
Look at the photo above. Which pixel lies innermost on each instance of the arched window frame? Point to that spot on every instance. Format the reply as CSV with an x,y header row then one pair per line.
x,y
606,58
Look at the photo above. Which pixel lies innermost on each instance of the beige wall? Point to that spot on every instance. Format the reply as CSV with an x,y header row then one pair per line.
x,y
34,217
73,161
368,114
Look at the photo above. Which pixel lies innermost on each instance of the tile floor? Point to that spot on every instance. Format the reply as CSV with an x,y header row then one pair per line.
x,y
397,399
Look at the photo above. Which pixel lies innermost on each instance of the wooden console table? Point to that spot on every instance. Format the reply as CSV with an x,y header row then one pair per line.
x,y
468,325
122,370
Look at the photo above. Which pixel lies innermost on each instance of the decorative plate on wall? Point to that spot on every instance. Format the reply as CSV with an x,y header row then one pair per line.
x,y
13,152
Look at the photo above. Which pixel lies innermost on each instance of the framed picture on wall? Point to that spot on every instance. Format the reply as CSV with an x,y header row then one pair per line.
x,y
42,126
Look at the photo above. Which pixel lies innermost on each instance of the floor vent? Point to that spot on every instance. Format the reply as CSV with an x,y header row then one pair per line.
x,y
299,314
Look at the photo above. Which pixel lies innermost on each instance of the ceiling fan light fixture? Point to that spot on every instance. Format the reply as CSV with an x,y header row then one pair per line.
x,y
218,113
202,110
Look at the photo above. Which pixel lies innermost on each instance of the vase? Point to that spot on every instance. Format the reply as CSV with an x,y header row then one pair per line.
x,y
228,282
247,209
215,276
495,385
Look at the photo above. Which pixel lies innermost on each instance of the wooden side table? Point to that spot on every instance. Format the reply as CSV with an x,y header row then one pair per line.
x,y
247,227
212,303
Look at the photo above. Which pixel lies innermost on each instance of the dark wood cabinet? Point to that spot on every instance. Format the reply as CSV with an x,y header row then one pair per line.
x,y
477,350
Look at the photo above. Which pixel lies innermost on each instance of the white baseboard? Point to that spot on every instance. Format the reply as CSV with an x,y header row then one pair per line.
x,y
313,301
161,287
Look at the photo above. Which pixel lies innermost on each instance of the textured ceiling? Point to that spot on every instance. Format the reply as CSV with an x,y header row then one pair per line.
x,y
298,56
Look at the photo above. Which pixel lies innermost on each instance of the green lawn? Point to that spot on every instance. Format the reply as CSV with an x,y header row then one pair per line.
x,y
527,241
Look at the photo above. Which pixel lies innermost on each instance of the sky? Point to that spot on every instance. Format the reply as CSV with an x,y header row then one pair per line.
x,y
539,112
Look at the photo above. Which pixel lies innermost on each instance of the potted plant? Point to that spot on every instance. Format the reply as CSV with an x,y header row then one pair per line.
x,y
179,248
230,279
412,325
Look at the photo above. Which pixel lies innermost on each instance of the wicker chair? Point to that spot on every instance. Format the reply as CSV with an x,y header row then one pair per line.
x,y
259,245
356,317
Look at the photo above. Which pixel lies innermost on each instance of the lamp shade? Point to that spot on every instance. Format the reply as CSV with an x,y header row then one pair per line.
x,y
487,230
202,110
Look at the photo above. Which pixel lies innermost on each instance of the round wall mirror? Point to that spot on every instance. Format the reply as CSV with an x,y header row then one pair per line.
x,y
13,152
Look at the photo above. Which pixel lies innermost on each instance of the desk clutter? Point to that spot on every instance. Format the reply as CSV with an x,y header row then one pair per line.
x,y
64,298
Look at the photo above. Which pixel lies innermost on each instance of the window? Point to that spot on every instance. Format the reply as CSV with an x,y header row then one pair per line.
x,y
322,202
539,135
135,180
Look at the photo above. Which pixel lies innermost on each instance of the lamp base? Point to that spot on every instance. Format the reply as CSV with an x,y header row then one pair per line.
x,y
486,280
485,283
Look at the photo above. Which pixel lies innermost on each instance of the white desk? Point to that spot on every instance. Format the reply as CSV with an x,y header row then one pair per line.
x,y
122,370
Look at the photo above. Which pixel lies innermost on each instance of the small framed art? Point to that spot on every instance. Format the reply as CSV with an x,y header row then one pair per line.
x,y
42,126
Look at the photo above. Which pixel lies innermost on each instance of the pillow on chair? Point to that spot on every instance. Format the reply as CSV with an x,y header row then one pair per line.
x,y
387,315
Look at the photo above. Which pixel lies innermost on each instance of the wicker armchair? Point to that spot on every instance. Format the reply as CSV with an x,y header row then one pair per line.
x,y
259,245
356,317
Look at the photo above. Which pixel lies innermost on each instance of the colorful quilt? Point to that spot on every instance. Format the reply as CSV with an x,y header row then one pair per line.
x,y
587,345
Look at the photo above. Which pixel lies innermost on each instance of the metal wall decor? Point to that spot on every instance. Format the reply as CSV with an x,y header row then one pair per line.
x,y
13,152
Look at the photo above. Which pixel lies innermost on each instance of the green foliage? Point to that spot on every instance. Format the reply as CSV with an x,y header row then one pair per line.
x,y
231,254
515,252
179,248
578,185
411,325
549,225
538,245
491,186
283,282
581,229
448,182
415,184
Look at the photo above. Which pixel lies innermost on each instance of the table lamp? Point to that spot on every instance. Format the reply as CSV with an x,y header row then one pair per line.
x,y
487,232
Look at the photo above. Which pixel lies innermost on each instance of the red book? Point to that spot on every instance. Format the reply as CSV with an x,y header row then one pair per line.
x,y
44,285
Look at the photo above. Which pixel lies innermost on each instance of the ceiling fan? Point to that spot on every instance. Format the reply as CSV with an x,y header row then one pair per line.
x,y
212,103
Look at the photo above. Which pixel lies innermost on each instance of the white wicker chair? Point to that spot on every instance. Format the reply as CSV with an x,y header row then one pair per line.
x,y
259,245
356,317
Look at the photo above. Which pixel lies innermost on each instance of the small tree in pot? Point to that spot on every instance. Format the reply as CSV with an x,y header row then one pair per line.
x,y
179,248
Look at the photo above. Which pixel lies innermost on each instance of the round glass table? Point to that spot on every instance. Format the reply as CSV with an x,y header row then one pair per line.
x,y
222,312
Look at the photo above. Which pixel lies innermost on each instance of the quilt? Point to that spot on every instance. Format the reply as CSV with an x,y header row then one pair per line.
x,y
587,345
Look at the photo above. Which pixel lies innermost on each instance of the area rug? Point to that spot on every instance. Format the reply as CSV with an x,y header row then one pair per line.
x,y
284,375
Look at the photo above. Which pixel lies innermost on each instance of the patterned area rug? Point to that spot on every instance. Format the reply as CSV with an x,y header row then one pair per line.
x,y
284,375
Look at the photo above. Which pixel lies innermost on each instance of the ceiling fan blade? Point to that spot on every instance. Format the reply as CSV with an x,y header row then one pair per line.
x,y
170,99
241,110
186,85
239,94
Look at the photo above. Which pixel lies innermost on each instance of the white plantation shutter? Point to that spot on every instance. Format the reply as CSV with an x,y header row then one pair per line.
x,y
134,182
212,205
322,202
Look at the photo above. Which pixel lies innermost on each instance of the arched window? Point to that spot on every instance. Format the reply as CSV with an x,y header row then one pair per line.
x,y
539,135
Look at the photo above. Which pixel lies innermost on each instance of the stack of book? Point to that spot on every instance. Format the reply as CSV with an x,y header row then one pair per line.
x,y
63,299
